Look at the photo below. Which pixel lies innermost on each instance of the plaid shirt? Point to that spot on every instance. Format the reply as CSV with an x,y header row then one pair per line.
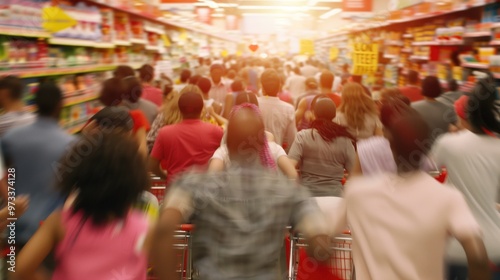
x,y
240,217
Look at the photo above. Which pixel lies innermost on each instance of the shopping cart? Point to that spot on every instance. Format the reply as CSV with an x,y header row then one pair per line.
x,y
158,188
183,253
340,266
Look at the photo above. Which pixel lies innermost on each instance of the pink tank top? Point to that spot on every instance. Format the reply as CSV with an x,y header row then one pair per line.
x,y
110,252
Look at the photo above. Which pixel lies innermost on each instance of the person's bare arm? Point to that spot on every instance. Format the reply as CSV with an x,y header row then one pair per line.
x,y
498,206
228,106
38,248
287,167
155,168
217,108
140,135
477,258
300,112
218,118
216,165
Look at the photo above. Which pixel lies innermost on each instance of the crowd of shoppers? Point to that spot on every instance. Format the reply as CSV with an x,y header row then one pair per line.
x,y
242,148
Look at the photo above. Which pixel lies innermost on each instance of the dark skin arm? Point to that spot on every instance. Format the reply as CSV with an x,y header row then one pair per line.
x,y
477,258
155,167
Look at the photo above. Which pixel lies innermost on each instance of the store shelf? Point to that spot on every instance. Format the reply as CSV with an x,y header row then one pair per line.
x,y
419,57
407,36
390,81
122,43
23,32
80,100
79,43
425,43
152,48
477,34
495,43
44,72
390,56
394,43
160,31
138,41
76,128
436,43
476,65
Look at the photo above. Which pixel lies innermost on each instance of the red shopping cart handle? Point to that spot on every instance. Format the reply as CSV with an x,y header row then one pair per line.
x,y
186,227
347,232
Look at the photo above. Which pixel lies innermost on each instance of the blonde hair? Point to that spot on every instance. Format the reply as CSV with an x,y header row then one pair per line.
x,y
171,112
356,105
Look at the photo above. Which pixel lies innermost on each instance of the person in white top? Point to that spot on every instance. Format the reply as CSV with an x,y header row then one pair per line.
x,y
309,70
296,84
279,116
400,223
472,159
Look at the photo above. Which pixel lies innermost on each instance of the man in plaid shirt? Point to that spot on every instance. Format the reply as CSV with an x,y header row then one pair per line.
x,y
240,215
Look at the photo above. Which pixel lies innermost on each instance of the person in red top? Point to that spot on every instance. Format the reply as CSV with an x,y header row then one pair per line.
x,y
187,144
149,92
412,90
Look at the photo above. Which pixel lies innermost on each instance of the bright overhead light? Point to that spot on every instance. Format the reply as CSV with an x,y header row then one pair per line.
x,y
285,8
312,2
330,13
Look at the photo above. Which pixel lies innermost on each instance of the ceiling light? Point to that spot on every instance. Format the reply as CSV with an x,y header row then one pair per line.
x,y
330,13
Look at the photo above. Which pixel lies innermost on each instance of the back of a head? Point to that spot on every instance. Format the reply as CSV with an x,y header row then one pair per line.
x,y
270,82
146,73
326,79
185,75
237,86
14,86
246,97
452,85
431,87
111,92
48,99
191,105
114,119
231,74
132,89
407,132
356,104
393,93
483,107
204,84
324,108
357,79
413,77
311,84
113,165
123,71
194,79
296,70
245,135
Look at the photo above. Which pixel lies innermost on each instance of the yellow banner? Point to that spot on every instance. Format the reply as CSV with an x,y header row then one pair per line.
x,y
306,47
364,58
334,53
55,19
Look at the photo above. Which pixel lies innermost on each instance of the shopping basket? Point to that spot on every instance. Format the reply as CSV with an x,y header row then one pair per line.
x,y
340,266
183,257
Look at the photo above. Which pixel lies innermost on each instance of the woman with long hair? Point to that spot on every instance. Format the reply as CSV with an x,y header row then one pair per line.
x,y
324,151
358,112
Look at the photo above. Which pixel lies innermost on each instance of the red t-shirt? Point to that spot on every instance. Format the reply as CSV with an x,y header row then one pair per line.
x,y
413,93
152,94
140,120
186,144
335,98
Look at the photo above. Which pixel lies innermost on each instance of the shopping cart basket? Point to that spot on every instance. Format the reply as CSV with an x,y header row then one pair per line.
x,y
183,257
158,188
340,266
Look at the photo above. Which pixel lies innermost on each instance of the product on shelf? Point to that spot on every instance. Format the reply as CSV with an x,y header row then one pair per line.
x,y
495,64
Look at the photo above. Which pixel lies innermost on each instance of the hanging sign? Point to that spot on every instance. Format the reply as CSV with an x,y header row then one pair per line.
x,y
55,19
334,53
357,5
306,47
364,58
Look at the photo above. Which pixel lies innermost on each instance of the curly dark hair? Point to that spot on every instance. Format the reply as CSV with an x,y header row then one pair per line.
x,y
109,178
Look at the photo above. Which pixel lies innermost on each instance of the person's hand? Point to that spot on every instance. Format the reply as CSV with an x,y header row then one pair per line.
x,y
211,111
22,203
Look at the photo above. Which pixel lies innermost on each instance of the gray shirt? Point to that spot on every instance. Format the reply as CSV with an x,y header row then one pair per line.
x,y
450,97
15,119
322,163
437,115
34,151
148,108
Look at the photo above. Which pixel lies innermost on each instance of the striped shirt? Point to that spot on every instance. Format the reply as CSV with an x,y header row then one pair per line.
x,y
15,119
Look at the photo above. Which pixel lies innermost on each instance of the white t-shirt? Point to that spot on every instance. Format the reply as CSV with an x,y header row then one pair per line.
x,y
222,153
400,226
296,85
473,165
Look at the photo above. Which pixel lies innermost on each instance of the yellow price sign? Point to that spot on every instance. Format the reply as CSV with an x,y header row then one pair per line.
x,y
364,58
334,53
306,47
165,40
55,19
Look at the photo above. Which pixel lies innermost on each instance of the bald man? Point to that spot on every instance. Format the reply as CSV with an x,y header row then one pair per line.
x,y
239,214
187,144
